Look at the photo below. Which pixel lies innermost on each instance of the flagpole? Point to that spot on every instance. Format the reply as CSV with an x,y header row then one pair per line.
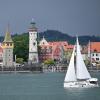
x,y
90,55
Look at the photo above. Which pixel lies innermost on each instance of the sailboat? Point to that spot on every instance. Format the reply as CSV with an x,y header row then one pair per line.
x,y
77,74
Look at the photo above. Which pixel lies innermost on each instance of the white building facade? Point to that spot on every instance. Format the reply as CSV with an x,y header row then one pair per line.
x,y
95,56
33,47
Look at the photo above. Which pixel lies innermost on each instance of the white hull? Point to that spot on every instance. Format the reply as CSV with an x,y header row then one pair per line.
x,y
82,84
79,84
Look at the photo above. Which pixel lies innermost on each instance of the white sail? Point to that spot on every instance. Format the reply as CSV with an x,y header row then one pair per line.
x,y
70,75
81,70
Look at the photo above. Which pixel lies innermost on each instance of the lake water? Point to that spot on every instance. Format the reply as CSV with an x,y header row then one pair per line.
x,y
43,86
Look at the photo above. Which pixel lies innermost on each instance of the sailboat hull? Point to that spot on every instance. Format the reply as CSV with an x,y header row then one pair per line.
x,y
80,84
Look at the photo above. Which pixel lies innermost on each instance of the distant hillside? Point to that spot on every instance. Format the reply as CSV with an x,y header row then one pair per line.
x,y
52,35
21,41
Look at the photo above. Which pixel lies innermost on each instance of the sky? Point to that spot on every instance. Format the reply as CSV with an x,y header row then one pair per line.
x,y
81,17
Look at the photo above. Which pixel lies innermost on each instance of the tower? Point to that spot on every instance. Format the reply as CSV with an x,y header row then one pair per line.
x,y
33,49
43,42
7,46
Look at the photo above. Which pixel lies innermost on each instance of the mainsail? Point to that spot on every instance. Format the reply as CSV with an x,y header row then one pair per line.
x,y
70,75
81,70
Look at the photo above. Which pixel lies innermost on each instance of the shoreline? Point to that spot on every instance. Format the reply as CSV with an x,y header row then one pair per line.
x,y
22,72
5,72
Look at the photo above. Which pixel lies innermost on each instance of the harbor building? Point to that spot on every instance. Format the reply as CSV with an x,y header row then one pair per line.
x,y
95,51
53,50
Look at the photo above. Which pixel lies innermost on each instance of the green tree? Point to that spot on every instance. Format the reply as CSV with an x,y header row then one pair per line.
x,y
21,46
19,60
49,62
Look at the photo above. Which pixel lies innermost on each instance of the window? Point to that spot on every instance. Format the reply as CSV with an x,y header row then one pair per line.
x,y
50,48
7,44
43,43
97,58
11,44
96,54
95,50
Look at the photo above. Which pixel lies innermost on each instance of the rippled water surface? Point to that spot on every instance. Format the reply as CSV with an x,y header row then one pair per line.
x,y
43,86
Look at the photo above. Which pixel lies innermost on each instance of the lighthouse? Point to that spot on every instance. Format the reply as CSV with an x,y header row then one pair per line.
x,y
33,46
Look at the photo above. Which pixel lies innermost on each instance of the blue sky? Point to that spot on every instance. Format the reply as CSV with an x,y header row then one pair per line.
x,y
80,17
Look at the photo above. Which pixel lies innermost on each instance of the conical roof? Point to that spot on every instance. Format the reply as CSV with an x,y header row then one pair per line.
x,y
7,37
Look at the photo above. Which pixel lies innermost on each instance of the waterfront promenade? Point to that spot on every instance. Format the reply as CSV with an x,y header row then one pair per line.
x,y
41,68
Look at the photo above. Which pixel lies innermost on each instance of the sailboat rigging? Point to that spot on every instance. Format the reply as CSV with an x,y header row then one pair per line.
x,y
77,74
